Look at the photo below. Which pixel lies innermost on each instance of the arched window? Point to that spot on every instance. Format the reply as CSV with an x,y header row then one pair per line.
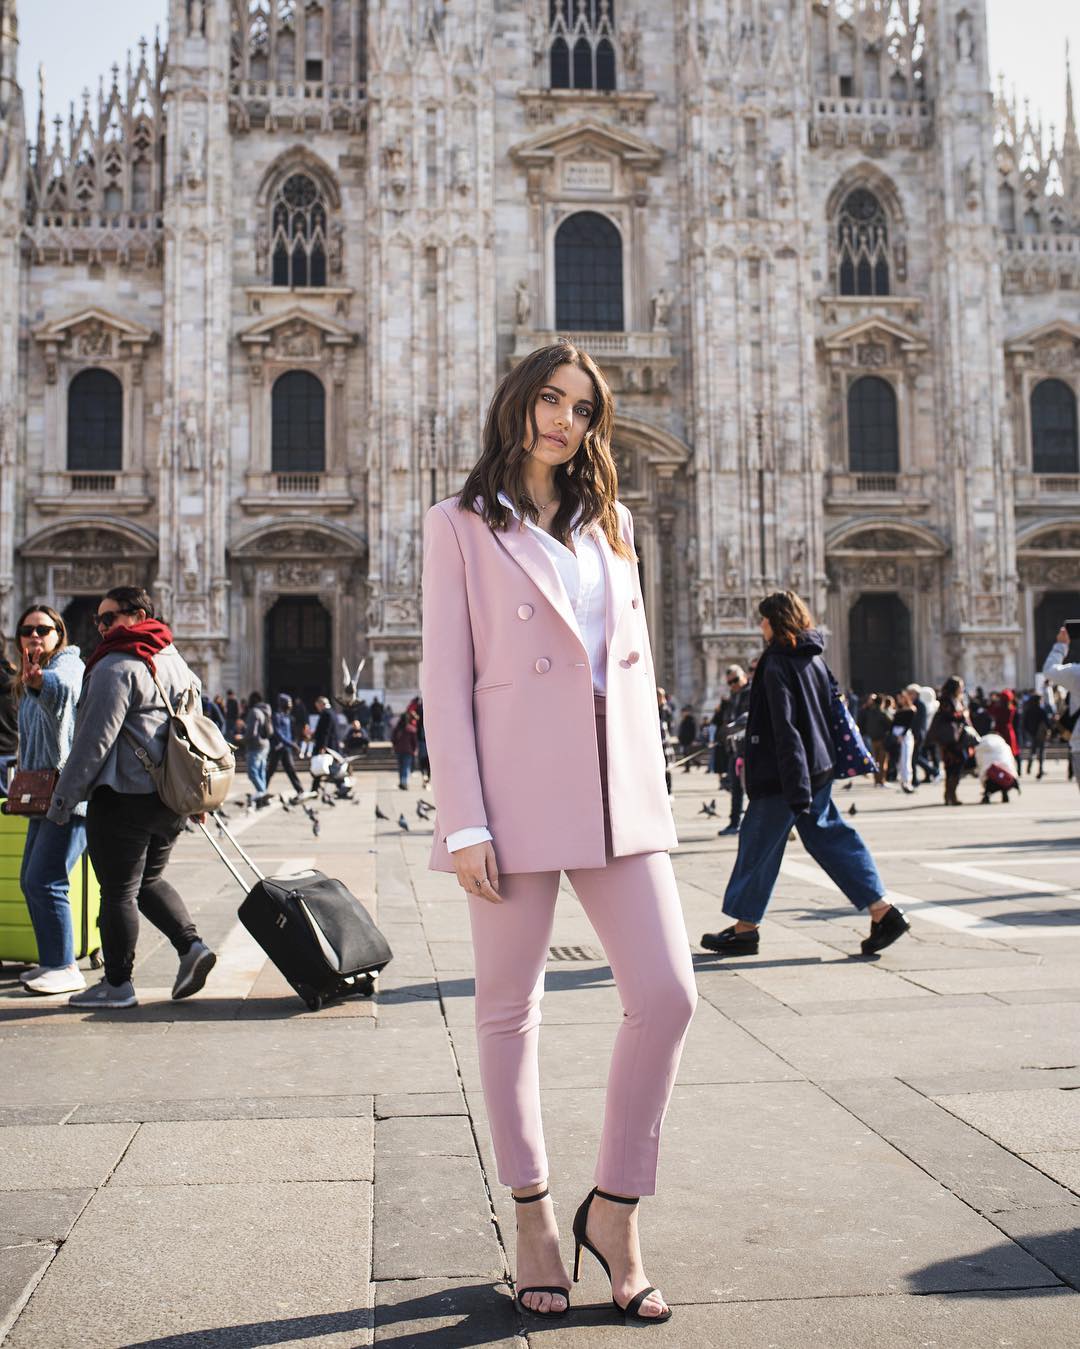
x,y
588,275
298,435
298,232
581,38
95,441
862,246
873,427
1054,447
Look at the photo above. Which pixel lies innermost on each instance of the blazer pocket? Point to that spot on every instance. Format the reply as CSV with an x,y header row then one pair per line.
x,y
488,688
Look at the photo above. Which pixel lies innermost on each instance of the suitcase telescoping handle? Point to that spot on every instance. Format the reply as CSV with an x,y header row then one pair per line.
x,y
228,861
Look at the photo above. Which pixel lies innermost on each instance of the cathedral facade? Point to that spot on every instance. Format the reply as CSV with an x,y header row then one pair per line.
x,y
256,294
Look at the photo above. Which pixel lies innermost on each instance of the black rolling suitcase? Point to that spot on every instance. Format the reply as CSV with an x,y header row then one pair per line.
x,y
316,932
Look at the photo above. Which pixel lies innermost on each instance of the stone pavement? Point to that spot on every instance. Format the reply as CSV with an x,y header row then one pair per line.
x,y
857,1153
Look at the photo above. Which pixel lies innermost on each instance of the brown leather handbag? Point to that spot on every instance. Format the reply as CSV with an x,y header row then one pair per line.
x,y
31,791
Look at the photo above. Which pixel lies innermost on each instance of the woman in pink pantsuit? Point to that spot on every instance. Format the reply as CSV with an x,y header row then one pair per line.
x,y
540,712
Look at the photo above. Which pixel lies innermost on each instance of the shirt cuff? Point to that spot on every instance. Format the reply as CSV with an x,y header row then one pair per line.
x,y
465,838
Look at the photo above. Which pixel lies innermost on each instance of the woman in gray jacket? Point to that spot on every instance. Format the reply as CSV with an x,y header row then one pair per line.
x,y
130,832
47,686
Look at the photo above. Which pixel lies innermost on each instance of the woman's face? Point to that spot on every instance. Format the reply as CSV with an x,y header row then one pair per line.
x,y
766,630
563,412
35,645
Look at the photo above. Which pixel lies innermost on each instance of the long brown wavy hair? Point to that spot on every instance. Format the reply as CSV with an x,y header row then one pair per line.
x,y
61,632
587,484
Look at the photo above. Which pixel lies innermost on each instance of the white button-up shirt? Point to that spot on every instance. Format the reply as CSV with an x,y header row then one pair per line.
x,y
584,579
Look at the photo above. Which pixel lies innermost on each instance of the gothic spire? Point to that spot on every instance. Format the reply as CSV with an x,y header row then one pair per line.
x,y
1070,145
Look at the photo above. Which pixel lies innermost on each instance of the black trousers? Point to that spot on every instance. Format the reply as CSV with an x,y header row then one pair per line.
x,y
281,757
129,838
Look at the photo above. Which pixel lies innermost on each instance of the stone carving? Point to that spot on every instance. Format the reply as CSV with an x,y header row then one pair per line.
x,y
729,437
299,541
262,248
461,171
796,562
298,574
965,38
86,542
189,555
192,158
872,354
94,339
335,252
196,14
1055,540
781,183
394,164
7,435
789,434
403,573
400,440
402,611
522,304
296,341
661,308
729,572
191,440
880,541
724,166
972,194
630,44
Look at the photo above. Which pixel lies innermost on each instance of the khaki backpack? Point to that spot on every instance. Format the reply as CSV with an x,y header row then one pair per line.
x,y
196,770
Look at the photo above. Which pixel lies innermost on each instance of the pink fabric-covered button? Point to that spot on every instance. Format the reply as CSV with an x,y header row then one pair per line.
x,y
543,665
525,611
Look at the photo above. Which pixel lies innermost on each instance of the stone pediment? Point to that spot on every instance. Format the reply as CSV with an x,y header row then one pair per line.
x,y
92,334
297,540
874,329
1058,335
297,332
587,135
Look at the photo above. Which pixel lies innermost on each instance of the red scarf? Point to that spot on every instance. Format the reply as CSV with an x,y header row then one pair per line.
x,y
145,640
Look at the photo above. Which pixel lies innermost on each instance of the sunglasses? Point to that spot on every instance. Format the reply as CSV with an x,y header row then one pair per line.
x,y
36,629
734,681
106,621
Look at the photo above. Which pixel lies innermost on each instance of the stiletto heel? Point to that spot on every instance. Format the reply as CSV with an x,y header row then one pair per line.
x,y
547,1288
581,1219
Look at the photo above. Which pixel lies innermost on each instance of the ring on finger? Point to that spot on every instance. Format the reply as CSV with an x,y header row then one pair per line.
x,y
479,885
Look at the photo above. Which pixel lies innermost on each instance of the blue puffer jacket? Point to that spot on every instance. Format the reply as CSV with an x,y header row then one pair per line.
x,y
789,741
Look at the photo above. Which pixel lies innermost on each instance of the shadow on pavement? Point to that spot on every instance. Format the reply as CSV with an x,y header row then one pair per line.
x,y
987,1272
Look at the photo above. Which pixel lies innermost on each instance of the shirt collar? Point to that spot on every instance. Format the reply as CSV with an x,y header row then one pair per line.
x,y
505,501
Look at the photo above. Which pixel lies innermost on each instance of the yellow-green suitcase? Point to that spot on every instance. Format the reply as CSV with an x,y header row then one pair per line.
x,y
17,943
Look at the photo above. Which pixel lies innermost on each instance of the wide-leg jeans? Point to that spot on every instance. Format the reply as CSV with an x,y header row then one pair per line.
x,y
833,844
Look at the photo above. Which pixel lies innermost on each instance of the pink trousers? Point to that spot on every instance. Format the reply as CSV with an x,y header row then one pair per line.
x,y
633,905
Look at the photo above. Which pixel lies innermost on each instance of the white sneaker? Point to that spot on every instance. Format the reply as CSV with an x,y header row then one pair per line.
x,y
31,973
66,979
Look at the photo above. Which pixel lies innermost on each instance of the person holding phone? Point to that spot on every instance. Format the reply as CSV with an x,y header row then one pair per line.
x,y
1058,669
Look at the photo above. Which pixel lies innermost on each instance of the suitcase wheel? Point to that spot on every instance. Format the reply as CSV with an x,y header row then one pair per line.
x,y
313,1000
97,960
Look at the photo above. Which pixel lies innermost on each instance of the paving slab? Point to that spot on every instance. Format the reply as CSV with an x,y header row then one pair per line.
x,y
61,1156
995,1079
35,1114
231,1152
445,1314
1063,1167
392,1104
262,1264
272,1059
973,1167
432,1213
1052,1235
265,1107
39,1215
787,1222
907,1043
1047,1318
20,1269
830,980
1045,1120
1000,978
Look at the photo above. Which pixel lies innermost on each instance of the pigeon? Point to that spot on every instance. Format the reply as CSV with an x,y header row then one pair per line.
x,y
403,823
310,814
284,804
708,807
853,810
422,809
315,826
379,815
426,804
848,786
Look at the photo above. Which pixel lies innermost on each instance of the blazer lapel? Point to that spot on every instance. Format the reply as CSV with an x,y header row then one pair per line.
x,y
528,552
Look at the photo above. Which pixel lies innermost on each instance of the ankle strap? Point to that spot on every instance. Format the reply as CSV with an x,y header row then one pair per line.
x,y
616,1198
529,1198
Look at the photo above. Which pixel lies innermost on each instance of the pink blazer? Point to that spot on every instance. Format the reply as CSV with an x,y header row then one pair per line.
x,y
508,703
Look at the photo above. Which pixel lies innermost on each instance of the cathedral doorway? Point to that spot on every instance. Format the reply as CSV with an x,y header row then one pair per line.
x,y
879,644
298,647
78,615
1050,613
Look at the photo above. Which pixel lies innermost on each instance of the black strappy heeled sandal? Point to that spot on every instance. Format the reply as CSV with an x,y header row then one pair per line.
x,y
581,1241
558,1292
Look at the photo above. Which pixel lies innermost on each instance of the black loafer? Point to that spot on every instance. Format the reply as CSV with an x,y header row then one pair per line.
x,y
884,933
731,943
